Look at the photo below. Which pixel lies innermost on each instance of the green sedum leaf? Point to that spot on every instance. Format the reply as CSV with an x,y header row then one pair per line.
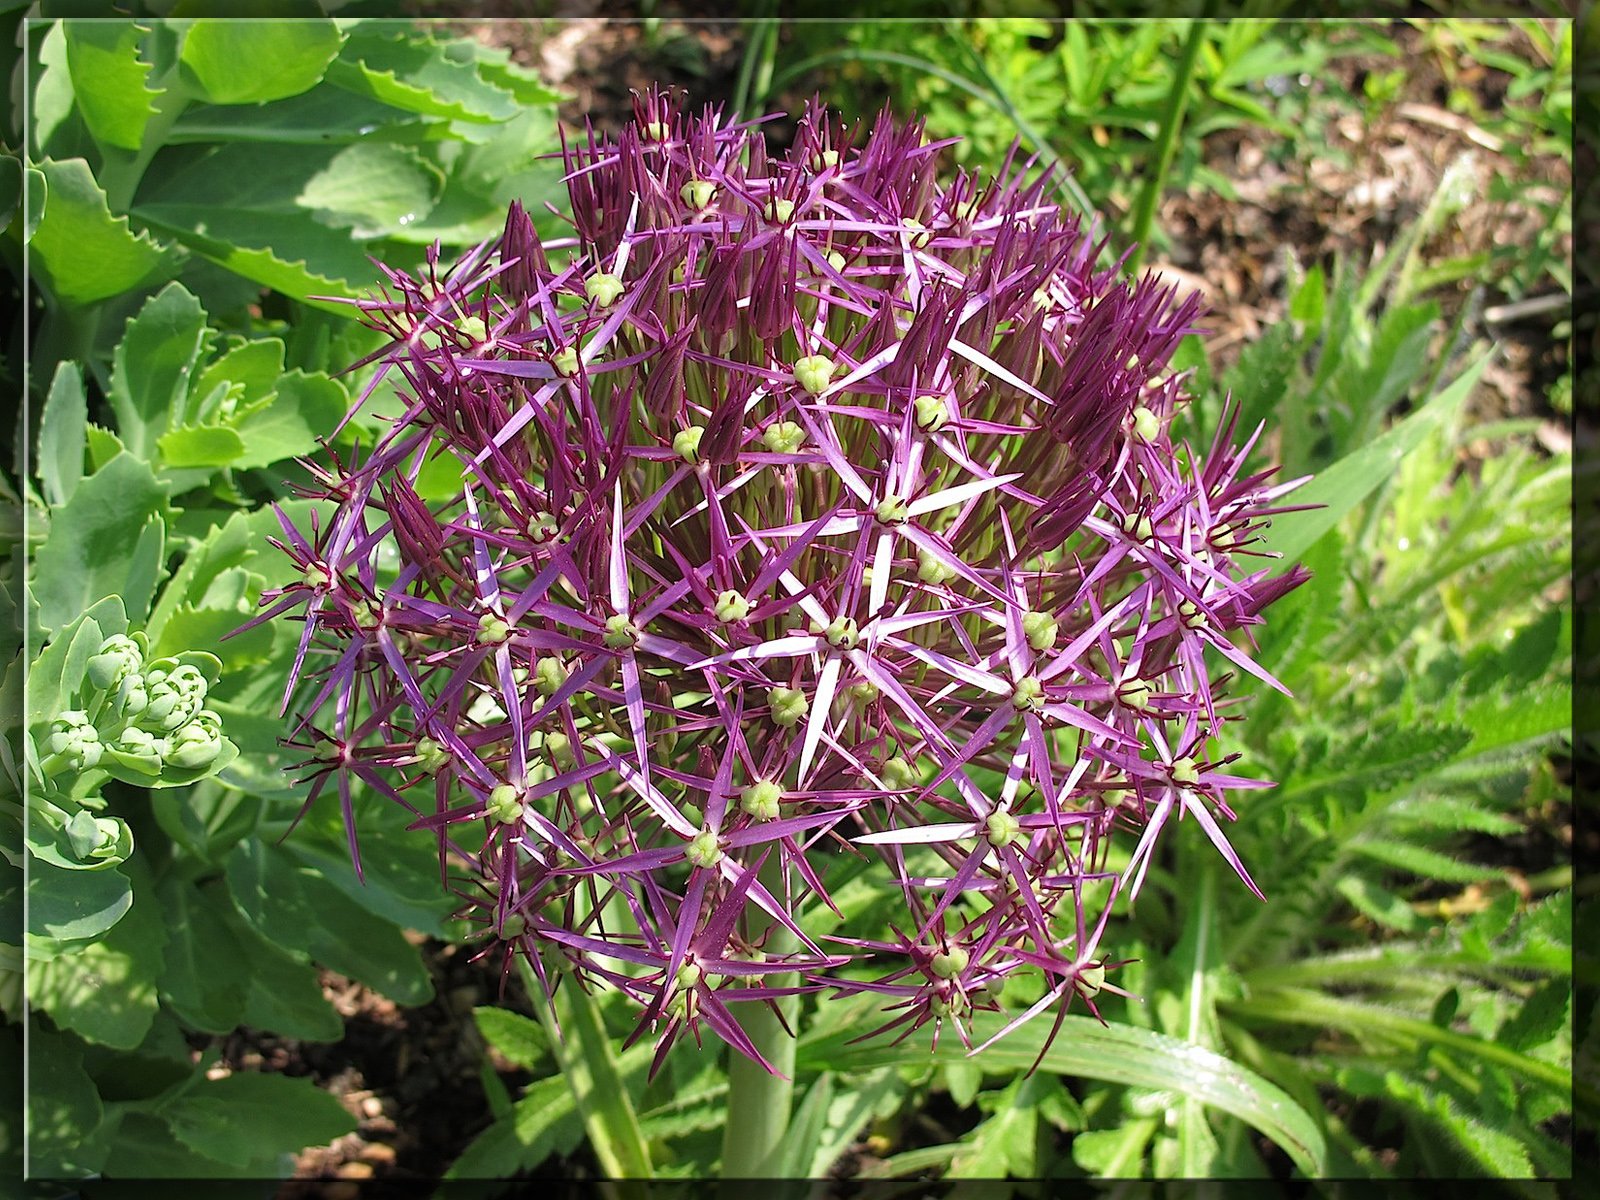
x,y
94,544
108,79
250,62
63,434
253,1119
81,252
153,367
521,1040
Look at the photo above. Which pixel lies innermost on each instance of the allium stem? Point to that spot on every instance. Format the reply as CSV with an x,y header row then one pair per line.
x,y
1155,181
759,1102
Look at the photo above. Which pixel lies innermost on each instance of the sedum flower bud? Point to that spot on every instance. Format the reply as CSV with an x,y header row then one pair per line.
x,y
119,657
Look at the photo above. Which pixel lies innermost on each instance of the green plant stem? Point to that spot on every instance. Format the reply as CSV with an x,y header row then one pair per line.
x,y
759,1102
1155,182
582,1048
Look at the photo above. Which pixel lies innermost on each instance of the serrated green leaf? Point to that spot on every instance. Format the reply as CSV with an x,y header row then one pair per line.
x,y
1341,487
419,74
1491,1151
1117,1054
1422,862
251,62
239,205
200,446
1377,902
144,1147
153,366
519,1039
108,79
63,434
193,626
303,409
82,252
252,1118
295,907
93,542
1542,1017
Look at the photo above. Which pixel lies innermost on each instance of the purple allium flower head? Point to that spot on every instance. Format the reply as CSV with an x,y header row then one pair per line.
x,y
811,511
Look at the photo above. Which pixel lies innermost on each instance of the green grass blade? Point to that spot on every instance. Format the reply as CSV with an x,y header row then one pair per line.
x,y
1356,476
1122,1054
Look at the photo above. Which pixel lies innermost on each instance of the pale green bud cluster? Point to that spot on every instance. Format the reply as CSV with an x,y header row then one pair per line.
x,y
1040,628
783,437
492,629
605,290
686,443
731,607
704,850
933,414
933,570
813,373
621,633
948,964
788,705
1028,694
698,194
892,510
760,800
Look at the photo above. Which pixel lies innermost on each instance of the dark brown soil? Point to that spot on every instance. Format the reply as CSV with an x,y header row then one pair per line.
x,y
412,1076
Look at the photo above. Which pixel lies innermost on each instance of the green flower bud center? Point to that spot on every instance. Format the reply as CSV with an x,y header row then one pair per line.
x,y
788,705
731,606
1191,616
780,209
892,510
548,676
1135,693
565,361
932,413
783,437
505,805
492,629
931,570
603,289
823,159
316,575
704,850
620,632
1002,828
1146,425
899,774
1185,772
1137,526
657,131
1028,693
835,260
842,633
513,927
686,443
760,800
561,752
688,974
431,756
1091,978
863,692
813,373
698,194
947,964
1040,628
918,231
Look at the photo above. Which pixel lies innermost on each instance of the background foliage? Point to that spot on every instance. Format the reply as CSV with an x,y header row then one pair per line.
x,y
192,197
